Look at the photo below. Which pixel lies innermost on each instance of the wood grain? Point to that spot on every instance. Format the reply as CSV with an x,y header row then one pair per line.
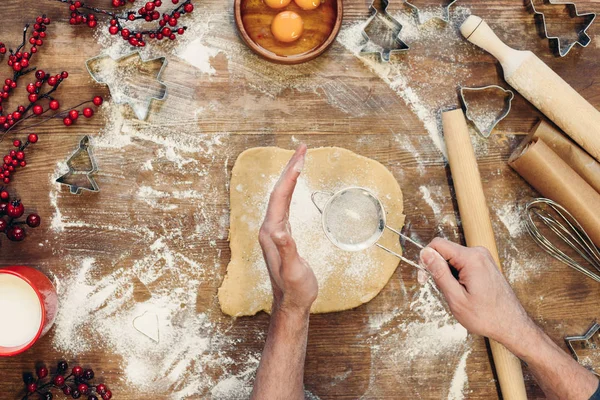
x,y
341,362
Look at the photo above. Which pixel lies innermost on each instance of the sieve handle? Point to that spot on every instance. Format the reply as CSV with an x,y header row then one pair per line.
x,y
314,195
406,260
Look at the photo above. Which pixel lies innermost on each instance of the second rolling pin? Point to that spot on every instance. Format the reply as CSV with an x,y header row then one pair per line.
x,y
478,230
547,91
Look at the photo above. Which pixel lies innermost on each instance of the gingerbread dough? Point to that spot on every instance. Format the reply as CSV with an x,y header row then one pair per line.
x,y
346,279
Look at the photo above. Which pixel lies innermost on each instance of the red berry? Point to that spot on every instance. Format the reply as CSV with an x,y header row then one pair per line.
x,y
37,109
83,388
32,387
97,101
77,370
3,225
113,30
23,163
54,104
166,31
6,181
88,112
188,8
15,210
107,395
31,88
131,16
180,31
52,81
172,22
149,6
125,33
24,63
40,74
32,138
116,3
64,74
7,159
92,23
172,36
67,121
3,207
73,114
42,372
133,41
16,234
17,143
33,98
67,390
4,195
59,380
101,388
20,155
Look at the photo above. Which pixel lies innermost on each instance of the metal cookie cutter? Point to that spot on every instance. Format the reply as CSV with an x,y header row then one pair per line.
x,y
486,127
588,342
124,91
386,29
82,165
445,13
354,219
582,37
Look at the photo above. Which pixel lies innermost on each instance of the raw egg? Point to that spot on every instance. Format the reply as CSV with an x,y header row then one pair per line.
x,y
277,3
308,4
287,26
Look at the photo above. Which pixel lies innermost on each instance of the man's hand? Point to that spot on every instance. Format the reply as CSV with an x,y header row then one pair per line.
x,y
280,374
294,283
484,303
481,299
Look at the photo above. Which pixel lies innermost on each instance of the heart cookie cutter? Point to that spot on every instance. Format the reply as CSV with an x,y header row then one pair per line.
x,y
583,38
394,45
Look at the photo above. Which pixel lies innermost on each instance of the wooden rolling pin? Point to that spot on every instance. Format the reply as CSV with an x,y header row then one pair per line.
x,y
541,86
478,231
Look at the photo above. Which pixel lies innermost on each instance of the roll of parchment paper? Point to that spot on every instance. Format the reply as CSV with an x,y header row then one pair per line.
x,y
581,162
554,179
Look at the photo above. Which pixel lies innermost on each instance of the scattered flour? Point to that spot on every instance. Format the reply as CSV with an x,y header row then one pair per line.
x,y
460,379
513,218
435,207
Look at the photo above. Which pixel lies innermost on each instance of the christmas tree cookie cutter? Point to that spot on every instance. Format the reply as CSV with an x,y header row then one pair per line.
x,y
420,13
485,126
583,38
138,85
392,44
588,341
82,165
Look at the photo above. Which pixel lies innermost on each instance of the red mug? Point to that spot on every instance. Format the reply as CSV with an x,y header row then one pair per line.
x,y
28,305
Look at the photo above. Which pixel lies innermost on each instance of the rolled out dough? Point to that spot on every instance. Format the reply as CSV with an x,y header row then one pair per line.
x,y
346,279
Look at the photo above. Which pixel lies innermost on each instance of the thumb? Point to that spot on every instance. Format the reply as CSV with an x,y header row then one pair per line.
x,y
440,271
286,246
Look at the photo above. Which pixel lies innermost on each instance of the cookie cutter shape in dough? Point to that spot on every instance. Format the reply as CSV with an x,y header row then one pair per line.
x,y
139,84
588,341
445,13
583,38
382,32
82,165
354,219
484,126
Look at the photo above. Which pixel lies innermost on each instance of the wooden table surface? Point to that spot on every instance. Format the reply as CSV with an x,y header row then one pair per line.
x,y
247,102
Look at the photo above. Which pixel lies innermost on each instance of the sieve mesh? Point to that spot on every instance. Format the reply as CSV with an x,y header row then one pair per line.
x,y
354,219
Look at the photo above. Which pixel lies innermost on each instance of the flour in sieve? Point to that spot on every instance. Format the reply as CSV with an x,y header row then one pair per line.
x,y
354,219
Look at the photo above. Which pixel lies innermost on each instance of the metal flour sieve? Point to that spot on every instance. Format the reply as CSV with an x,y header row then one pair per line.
x,y
354,219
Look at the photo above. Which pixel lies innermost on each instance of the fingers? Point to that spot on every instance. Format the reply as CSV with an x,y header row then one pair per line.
x,y
453,252
281,197
440,271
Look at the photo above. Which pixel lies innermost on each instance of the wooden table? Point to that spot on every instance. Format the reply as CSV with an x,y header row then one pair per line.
x,y
246,104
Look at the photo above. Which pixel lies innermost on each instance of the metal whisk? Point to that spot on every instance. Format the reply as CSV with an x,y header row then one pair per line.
x,y
566,228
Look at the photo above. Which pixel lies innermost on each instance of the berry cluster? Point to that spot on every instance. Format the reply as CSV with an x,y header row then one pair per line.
x,y
75,384
167,22
19,60
14,210
2,48
16,158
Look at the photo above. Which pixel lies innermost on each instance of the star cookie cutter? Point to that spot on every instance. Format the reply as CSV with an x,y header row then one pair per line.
x,y
583,38
74,178
587,343
122,93
445,13
485,129
395,44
